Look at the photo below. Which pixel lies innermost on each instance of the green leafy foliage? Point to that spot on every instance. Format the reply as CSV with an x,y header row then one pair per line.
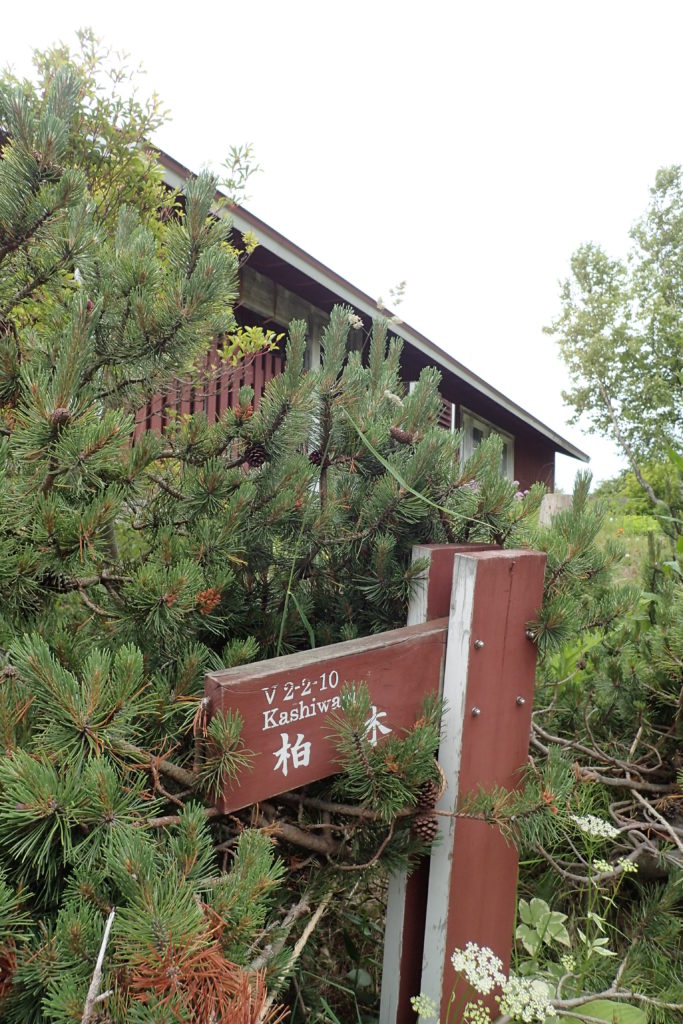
x,y
612,1012
620,330
540,925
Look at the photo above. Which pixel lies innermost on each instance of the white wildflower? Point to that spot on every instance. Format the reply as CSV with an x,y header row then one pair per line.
x,y
602,865
424,1006
568,962
627,866
476,1013
526,999
480,965
594,826
355,322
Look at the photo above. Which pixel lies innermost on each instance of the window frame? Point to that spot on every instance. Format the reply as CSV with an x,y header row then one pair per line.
x,y
469,421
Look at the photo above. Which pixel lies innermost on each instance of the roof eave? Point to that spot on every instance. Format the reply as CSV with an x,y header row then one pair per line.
x,y
176,175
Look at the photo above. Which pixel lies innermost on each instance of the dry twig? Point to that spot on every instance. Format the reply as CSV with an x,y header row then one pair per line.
x,y
93,996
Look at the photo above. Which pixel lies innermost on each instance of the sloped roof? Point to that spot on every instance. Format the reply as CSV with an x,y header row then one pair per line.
x,y
292,261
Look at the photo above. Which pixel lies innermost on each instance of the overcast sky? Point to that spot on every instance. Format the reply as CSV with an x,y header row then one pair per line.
x,y
467,148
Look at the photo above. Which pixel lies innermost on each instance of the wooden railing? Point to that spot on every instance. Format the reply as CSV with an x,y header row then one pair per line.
x,y
218,391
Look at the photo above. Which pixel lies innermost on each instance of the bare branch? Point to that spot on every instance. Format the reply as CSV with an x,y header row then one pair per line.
x,y
93,992
662,820
299,948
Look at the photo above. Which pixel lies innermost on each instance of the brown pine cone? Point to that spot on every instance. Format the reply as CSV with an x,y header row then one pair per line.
x,y
256,455
429,794
401,435
425,827
316,459
60,416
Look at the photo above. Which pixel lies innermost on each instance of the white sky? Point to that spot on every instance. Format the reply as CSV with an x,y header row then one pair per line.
x,y
467,148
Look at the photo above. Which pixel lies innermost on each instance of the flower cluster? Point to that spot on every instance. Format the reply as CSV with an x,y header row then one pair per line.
x,y
568,962
476,1013
594,826
424,1006
355,322
480,965
624,864
526,999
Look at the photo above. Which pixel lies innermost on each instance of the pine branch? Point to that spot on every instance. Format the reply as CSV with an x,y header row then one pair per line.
x,y
660,818
24,236
165,486
267,819
89,603
375,858
590,773
174,771
36,282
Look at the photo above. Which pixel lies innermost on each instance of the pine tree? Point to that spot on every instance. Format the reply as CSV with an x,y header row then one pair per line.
x,y
127,570
130,569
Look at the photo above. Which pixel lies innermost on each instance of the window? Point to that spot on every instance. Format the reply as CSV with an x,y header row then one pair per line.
x,y
475,430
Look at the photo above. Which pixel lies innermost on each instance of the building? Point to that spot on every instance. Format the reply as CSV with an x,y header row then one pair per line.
x,y
280,282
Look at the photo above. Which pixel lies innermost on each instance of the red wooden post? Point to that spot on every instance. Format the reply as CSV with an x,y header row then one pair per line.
x,y
488,687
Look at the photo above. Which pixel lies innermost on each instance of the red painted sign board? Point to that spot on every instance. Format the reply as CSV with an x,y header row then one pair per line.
x,y
287,704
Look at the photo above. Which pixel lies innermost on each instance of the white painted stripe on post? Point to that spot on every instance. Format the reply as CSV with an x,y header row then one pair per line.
x,y
417,607
393,947
396,895
458,649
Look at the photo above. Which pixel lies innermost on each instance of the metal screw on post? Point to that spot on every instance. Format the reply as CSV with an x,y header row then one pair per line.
x,y
521,701
476,712
479,644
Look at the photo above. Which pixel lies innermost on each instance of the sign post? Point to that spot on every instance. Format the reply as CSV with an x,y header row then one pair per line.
x,y
466,639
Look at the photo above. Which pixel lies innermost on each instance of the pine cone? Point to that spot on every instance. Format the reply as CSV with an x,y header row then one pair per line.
x,y
60,416
400,435
256,455
425,827
316,458
429,794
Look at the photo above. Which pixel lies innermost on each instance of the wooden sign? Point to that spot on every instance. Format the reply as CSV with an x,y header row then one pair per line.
x,y
287,703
